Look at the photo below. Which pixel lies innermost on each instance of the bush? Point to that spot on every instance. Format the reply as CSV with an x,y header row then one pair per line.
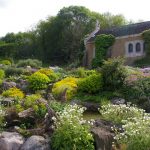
x,y
69,83
31,102
70,132
2,74
91,84
5,62
57,106
136,135
138,92
81,72
38,81
14,93
50,73
114,73
29,62
118,113
12,71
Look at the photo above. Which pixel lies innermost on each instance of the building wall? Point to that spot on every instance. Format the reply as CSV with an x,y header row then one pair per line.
x,y
119,48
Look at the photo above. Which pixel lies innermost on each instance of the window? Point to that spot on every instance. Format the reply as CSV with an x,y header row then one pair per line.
x,y
138,47
130,48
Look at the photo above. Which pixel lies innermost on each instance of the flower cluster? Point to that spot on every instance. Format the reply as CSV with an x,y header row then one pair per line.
x,y
71,131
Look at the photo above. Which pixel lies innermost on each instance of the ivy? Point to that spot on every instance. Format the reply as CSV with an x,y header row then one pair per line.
x,y
146,37
102,43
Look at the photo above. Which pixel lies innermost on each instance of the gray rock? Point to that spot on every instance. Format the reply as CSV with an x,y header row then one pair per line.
x,y
10,141
7,85
118,101
103,138
36,143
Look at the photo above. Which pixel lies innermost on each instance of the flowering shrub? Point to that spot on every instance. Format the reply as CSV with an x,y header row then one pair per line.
x,y
69,83
71,132
38,81
91,84
13,92
117,113
136,134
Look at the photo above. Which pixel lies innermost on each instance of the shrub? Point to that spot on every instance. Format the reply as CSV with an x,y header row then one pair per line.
x,y
14,93
29,62
31,102
69,83
12,71
138,92
91,84
82,72
38,81
57,106
114,73
117,113
2,74
70,132
5,62
50,73
136,135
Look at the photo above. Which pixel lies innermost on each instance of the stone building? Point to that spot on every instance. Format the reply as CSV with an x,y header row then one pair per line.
x,y
128,42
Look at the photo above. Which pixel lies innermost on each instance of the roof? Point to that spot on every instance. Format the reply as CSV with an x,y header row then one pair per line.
x,y
130,29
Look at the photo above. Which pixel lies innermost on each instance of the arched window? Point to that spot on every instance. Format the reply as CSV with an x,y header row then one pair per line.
x,y
138,47
130,48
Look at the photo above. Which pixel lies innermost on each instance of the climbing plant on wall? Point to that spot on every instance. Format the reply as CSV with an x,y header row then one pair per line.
x,y
102,43
146,37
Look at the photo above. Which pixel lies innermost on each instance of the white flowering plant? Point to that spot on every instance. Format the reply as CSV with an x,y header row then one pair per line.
x,y
72,132
117,113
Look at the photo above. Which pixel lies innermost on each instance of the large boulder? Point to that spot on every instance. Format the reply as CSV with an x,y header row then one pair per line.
x,y
103,138
8,85
36,143
10,141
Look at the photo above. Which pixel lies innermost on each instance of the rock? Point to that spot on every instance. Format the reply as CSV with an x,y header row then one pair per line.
x,y
7,101
36,143
26,113
10,141
118,101
7,85
103,138
23,85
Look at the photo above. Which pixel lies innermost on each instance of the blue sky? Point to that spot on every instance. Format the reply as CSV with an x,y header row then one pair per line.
x,y
21,15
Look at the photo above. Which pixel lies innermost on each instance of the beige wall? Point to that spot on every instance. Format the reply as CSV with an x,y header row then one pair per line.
x,y
118,49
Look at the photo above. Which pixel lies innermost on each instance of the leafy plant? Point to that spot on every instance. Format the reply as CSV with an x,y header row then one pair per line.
x,y
29,62
91,84
102,43
13,71
14,93
70,132
117,113
2,74
5,62
38,81
114,73
69,84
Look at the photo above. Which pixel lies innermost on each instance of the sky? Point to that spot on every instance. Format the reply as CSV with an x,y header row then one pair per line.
x,y
22,15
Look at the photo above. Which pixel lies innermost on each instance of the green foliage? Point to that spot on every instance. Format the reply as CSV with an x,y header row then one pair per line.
x,y
102,43
81,72
91,84
5,62
13,71
2,74
114,73
14,93
29,62
138,92
50,73
143,62
136,135
70,133
69,84
57,106
38,107
38,81
118,113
